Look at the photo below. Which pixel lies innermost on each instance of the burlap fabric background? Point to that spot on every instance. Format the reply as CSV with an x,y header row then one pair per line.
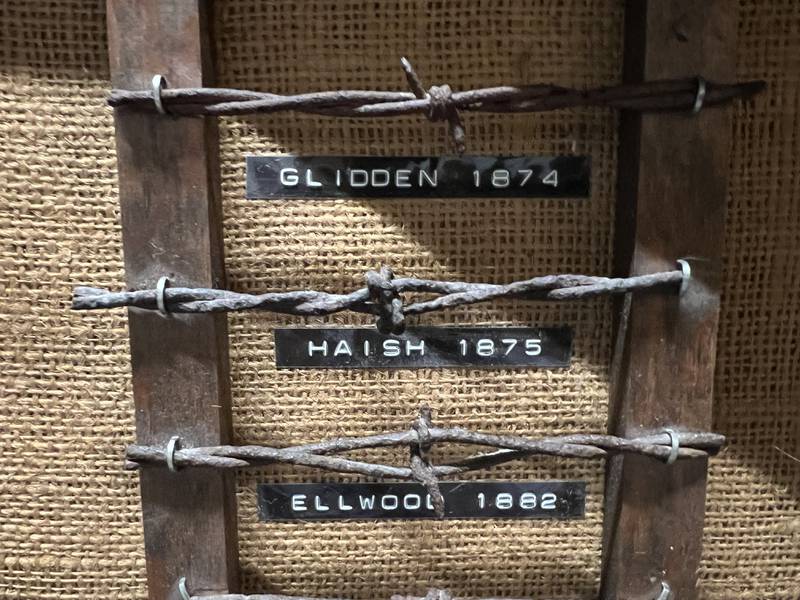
x,y
69,518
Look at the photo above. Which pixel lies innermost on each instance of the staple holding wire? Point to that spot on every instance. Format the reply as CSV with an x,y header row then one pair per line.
x,y
159,83
172,446
675,445
161,303
700,96
183,591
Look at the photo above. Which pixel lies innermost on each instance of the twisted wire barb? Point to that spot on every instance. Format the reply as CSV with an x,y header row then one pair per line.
x,y
420,438
381,296
438,103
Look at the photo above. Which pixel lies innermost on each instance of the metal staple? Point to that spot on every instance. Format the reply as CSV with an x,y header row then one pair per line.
x,y
381,297
437,103
419,438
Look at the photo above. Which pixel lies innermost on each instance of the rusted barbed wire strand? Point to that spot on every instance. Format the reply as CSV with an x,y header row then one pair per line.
x,y
659,590
438,103
419,438
434,594
381,297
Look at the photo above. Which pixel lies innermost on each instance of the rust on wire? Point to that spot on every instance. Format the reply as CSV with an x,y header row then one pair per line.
x,y
665,446
380,297
660,591
439,102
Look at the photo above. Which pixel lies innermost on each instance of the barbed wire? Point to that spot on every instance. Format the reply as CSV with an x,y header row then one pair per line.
x,y
659,591
437,103
433,594
668,446
380,297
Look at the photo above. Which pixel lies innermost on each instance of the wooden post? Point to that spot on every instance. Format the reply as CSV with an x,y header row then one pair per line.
x,y
672,186
171,225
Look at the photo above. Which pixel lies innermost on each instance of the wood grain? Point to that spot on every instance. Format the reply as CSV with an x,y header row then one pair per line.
x,y
171,225
672,186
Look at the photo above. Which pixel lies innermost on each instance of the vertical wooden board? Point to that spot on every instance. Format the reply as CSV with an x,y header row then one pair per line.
x,y
171,225
672,186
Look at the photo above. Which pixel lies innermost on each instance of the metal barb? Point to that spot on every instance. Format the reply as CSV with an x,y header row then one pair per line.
x,y
421,467
414,82
441,105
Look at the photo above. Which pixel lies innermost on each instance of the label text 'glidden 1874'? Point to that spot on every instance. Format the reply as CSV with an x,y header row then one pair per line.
x,y
275,177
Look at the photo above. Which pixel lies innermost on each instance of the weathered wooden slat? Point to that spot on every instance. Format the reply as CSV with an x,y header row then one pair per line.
x,y
171,225
672,186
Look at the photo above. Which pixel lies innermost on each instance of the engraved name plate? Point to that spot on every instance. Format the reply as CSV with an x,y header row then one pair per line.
x,y
428,347
462,500
304,177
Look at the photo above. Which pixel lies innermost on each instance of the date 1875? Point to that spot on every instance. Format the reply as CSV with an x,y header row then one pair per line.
x,y
428,347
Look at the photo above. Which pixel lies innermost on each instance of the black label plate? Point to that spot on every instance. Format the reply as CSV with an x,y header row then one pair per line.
x,y
277,177
428,347
462,500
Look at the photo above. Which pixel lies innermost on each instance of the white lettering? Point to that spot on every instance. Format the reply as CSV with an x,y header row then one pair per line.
x,y
321,348
366,347
289,177
391,347
385,178
394,504
319,505
367,502
415,348
342,348
338,178
299,502
310,180
428,502
549,501
425,176
363,178
504,501
343,506
401,177
408,504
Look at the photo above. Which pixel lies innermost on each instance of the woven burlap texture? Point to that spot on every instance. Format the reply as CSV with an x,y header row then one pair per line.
x,y
69,518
